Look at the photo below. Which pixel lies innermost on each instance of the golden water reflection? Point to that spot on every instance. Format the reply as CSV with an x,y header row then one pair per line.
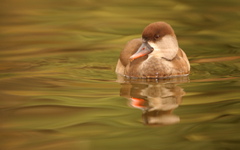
x,y
156,98
57,62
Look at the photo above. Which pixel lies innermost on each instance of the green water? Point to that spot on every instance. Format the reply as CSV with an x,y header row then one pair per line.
x,y
58,89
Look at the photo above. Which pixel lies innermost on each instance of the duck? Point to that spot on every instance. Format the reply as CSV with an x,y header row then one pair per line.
x,y
155,55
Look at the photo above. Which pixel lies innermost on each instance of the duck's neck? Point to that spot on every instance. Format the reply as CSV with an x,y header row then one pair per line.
x,y
167,47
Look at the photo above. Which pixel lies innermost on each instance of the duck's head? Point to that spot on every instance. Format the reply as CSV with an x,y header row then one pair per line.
x,y
159,40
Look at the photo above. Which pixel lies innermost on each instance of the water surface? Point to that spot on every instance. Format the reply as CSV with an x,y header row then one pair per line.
x,y
58,89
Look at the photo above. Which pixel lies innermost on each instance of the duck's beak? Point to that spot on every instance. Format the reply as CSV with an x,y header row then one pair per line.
x,y
144,49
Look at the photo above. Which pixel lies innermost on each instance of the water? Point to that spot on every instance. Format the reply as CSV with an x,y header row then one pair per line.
x,y
58,88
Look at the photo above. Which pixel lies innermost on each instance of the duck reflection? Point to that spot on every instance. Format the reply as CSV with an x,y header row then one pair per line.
x,y
156,98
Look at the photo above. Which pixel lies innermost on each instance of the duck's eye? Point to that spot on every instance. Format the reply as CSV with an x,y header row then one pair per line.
x,y
157,36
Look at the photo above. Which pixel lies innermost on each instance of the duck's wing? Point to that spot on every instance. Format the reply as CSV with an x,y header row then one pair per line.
x,y
130,48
